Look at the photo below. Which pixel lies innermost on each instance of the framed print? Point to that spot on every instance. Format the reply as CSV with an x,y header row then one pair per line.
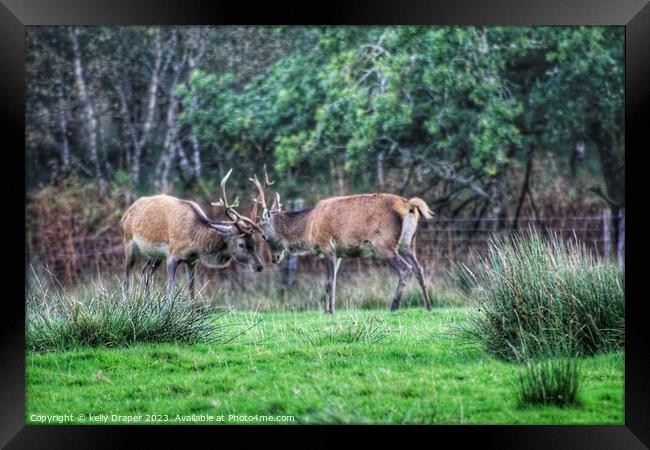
x,y
377,214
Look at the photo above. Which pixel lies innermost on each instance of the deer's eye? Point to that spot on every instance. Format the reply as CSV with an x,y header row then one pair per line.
x,y
264,237
241,245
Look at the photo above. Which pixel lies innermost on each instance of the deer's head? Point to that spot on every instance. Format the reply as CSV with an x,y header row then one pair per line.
x,y
239,232
267,226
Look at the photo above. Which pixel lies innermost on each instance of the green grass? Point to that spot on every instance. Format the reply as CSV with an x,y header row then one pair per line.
x,y
551,381
358,366
97,316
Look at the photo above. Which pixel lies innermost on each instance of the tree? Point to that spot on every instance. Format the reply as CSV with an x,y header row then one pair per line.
x,y
464,116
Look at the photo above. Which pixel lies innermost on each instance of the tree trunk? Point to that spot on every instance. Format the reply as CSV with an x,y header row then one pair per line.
x,y
127,122
184,166
612,163
380,170
193,60
196,157
613,168
499,208
89,110
171,137
63,125
151,109
524,190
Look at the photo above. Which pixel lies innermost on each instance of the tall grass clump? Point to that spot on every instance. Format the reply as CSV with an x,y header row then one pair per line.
x,y
550,381
544,297
96,316
362,328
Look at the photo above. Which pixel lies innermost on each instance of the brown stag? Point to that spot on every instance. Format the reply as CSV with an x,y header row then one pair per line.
x,y
162,227
378,225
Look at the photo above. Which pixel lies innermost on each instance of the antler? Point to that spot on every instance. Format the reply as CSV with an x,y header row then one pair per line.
x,y
266,178
246,220
260,198
223,201
230,209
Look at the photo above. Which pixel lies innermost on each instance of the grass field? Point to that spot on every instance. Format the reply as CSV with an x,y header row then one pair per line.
x,y
358,366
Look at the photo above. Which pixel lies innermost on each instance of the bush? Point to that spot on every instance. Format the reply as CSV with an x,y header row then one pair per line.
x,y
544,298
551,381
57,319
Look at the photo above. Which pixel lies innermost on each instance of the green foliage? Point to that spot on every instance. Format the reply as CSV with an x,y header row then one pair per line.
x,y
321,105
585,86
542,298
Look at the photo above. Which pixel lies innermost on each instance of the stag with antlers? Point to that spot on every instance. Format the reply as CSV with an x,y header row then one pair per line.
x,y
377,225
163,227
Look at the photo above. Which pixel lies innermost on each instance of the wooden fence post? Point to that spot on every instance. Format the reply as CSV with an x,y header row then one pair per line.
x,y
449,240
620,249
607,233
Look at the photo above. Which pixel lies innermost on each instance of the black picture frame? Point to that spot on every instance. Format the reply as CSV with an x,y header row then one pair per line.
x,y
634,15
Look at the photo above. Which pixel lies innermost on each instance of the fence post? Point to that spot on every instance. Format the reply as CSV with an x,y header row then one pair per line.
x,y
607,233
449,240
620,250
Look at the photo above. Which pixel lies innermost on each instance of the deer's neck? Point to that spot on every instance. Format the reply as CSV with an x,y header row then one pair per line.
x,y
291,226
210,240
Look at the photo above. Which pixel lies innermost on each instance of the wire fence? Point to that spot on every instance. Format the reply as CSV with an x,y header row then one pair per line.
x,y
439,243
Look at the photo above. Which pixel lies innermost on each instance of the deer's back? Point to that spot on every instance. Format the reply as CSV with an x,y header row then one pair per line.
x,y
355,219
158,219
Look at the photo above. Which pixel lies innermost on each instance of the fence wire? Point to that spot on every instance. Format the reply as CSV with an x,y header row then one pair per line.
x,y
439,243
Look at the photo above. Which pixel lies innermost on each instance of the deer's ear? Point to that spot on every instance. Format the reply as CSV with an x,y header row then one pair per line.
x,y
266,216
224,228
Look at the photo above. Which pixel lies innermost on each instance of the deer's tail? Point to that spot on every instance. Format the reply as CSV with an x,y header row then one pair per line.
x,y
422,207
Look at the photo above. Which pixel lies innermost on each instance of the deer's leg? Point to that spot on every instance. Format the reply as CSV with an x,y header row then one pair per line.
x,y
147,273
335,262
144,272
410,258
403,270
330,283
172,265
129,262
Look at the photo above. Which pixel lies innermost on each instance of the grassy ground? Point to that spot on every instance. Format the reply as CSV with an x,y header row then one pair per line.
x,y
359,366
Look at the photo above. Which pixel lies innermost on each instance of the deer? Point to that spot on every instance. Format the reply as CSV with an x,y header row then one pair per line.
x,y
163,227
377,225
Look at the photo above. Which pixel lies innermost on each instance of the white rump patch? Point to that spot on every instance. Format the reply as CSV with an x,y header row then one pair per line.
x,y
409,226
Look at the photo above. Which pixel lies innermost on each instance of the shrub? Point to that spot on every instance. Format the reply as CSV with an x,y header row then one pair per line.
x,y
540,297
92,316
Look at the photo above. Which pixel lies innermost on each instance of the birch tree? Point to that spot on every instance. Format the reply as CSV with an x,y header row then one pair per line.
x,y
87,105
